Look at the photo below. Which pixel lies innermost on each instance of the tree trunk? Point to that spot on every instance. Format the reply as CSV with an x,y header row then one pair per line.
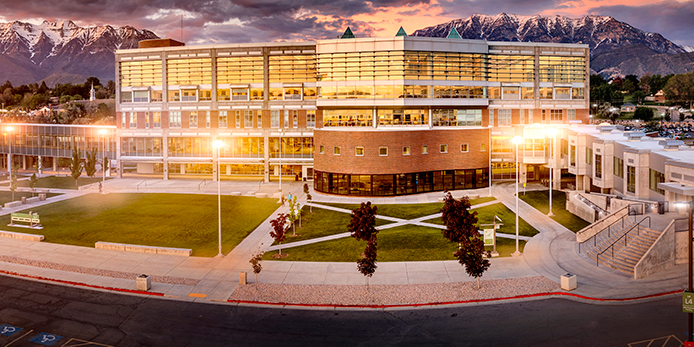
x,y
280,243
478,283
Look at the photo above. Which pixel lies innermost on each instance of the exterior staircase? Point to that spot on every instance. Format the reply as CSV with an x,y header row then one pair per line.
x,y
621,245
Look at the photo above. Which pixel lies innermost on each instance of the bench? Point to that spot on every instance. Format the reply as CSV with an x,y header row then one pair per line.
x,y
21,236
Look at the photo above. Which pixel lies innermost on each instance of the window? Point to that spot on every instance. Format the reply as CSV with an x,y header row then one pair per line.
x,y
359,151
406,150
259,119
257,94
133,120
222,119
336,150
483,147
247,119
311,118
656,177
189,95
156,96
126,96
141,96
175,119
274,118
205,95
464,147
571,114
530,116
237,119
425,149
598,166
589,156
321,149
383,151
207,119
444,148
146,120
174,95
618,167
292,93
631,179
572,155
286,118
223,95
239,94
193,119
504,118
556,115
156,120
295,119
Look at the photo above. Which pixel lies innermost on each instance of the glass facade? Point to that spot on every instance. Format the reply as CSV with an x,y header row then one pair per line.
x,y
400,184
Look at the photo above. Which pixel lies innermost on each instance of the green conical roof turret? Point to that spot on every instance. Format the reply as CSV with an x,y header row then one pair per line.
x,y
401,32
348,34
453,34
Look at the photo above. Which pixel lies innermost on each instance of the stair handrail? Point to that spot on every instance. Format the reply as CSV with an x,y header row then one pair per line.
x,y
603,229
138,185
638,228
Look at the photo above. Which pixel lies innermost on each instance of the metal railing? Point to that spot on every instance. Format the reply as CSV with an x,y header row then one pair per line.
x,y
138,185
203,183
608,227
611,246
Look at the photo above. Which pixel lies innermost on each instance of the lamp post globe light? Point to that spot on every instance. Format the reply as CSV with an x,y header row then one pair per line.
x,y
219,144
103,156
551,132
517,140
9,130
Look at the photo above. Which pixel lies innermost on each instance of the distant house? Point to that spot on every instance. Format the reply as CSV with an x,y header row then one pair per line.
x,y
660,96
628,107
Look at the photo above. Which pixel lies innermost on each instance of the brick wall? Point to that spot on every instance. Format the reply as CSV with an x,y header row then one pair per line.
x,y
395,162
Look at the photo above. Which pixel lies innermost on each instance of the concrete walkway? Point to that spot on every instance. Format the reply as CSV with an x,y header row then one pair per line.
x,y
551,253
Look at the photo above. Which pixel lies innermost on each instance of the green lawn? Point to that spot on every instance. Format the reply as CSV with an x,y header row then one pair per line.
x,y
60,182
485,215
321,223
167,220
408,211
6,196
405,243
539,199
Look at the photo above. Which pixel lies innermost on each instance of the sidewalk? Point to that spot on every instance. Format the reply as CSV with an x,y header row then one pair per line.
x,y
549,254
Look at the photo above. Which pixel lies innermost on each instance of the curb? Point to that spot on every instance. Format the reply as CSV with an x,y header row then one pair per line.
x,y
129,291
547,295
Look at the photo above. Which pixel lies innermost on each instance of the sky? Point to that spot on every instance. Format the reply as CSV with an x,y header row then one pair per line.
x,y
240,21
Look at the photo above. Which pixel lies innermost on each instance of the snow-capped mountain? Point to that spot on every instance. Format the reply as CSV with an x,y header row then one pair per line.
x,y
616,48
688,49
60,52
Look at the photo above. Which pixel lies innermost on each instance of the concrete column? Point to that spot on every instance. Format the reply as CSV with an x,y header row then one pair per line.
x,y
24,162
40,166
266,156
55,163
183,169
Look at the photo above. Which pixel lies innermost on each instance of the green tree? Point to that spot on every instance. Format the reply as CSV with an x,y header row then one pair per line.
x,y
33,181
294,213
680,88
76,164
279,229
643,113
90,163
362,227
461,228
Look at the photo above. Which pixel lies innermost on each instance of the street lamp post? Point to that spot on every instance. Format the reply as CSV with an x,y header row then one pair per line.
x,y
9,131
280,155
218,144
103,156
551,132
516,141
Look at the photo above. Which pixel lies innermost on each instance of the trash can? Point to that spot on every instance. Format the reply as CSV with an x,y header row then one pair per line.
x,y
144,282
568,281
243,278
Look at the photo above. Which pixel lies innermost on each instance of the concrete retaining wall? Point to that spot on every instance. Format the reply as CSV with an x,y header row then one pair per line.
x,y
143,249
599,200
591,230
579,208
13,204
659,256
21,236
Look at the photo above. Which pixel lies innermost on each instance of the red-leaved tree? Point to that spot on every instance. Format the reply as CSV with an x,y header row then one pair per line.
x,y
461,228
362,227
278,229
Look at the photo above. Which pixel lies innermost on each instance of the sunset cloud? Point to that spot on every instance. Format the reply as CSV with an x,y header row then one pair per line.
x,y
220,21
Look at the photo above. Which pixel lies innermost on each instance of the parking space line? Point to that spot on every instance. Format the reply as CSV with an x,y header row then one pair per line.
x,y
19,338
83,343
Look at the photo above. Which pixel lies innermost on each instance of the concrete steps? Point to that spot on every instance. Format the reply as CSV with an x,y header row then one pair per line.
x,y
620,252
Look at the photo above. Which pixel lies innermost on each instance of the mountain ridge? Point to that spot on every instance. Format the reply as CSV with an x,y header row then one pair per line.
x,y
63,51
